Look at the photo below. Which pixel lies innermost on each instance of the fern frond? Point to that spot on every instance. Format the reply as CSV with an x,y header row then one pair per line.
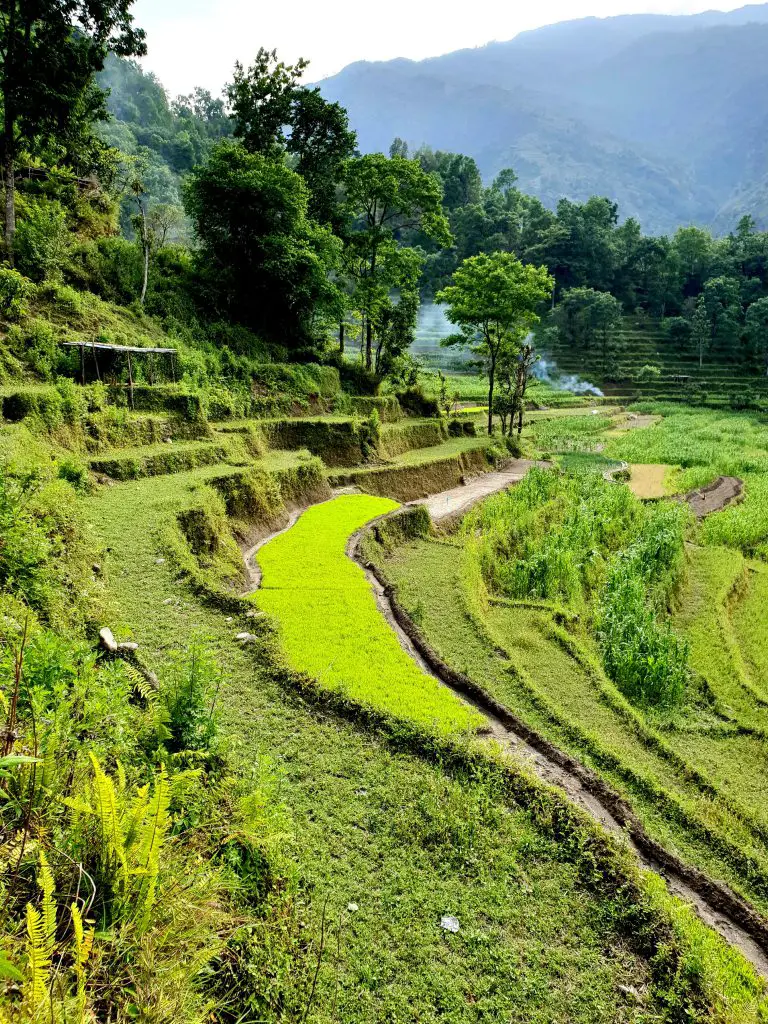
x,y
38,962
153,834
83,945
136,814
48,914
108,811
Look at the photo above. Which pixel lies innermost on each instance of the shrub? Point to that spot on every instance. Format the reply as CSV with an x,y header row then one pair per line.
x,y
42,240
648,374
414,401
36,344
189,698
74,472
14,290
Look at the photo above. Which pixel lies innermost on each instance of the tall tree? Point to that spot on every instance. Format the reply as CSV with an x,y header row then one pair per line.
x,y
50,51
493,300
756,332
275,115
267,265
584,316
386,196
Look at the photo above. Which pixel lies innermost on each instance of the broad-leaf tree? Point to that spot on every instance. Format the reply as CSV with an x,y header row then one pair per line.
x,y
50,51
493,300
756,332
386,196
267,265
588,319
276,116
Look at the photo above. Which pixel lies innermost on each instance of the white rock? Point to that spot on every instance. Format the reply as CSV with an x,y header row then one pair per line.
x,y
449,923
228,618
169,600
352,908
107,639
128,645
246,638
159,561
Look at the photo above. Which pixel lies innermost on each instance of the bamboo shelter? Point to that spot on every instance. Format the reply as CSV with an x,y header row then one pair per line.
x,y
100,346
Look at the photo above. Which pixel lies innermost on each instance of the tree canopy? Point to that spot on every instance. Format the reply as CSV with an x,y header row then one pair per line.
x,y
493,300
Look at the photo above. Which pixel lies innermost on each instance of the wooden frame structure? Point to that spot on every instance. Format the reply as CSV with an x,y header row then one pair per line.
x,y
95,346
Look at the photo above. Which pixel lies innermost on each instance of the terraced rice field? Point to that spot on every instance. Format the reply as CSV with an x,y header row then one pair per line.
x,y
329,625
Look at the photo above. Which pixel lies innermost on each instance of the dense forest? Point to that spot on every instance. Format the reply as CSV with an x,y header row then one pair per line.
x,y
345,245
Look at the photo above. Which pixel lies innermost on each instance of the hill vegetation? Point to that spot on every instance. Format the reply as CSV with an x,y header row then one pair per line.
x,y
234,785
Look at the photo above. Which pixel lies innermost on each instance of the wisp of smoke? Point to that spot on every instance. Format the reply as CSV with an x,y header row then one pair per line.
x,y
546,370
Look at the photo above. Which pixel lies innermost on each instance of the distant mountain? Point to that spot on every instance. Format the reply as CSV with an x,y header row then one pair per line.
x,y
668,115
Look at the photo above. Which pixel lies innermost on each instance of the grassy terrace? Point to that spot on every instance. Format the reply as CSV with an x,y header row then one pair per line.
x,y
449,449
403,841
698,775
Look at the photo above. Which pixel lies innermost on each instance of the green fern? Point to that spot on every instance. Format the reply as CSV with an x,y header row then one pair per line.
x,y
108,813
41,938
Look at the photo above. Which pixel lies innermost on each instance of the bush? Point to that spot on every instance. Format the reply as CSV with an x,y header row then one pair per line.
x,y
414,401
44,404
42,240
189,697
648,374
74,472
14,290
36,343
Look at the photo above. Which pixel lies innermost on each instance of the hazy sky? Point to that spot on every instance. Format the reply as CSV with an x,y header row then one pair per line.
x,y
196,42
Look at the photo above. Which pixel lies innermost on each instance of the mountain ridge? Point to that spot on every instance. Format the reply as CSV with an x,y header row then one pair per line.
x,y
612,106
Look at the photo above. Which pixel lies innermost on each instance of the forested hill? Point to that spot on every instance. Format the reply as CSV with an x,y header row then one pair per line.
x,y
668,115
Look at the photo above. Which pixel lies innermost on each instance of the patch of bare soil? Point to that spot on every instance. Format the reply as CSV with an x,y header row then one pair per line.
x,y
726,490
647,481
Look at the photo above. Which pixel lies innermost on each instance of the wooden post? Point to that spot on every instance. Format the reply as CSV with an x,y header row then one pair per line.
x,y
96,361
82,364
130,378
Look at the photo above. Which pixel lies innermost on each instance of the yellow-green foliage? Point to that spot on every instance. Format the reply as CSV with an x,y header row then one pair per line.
x,y
48,995
329,624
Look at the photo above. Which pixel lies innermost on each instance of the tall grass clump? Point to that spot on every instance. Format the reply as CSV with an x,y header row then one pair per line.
x,y
641,652
590,544
550,536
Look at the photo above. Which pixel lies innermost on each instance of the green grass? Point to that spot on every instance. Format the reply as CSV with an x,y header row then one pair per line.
x,y
366,824
421,456
329,624
552,679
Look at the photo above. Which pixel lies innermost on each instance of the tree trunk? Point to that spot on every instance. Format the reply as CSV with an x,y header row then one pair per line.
x,y
341,337
10,197
491,382
145,247
368,344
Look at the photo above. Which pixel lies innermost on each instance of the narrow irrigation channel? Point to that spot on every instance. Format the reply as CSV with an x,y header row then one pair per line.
x,y
715,903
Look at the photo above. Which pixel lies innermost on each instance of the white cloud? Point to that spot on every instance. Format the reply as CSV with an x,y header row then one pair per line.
x,y
196,42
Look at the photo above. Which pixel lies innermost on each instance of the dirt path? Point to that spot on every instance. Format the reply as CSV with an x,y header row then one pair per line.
x,y
448,505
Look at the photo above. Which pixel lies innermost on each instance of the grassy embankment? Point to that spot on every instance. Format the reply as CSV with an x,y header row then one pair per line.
x,y
695,771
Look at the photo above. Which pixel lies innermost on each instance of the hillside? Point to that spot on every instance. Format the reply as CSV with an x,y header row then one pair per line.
x,y
668,110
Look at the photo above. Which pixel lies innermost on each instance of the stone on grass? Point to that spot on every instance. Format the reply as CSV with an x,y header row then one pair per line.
x,y
246,638
352,908
128,645
449,923
107,639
